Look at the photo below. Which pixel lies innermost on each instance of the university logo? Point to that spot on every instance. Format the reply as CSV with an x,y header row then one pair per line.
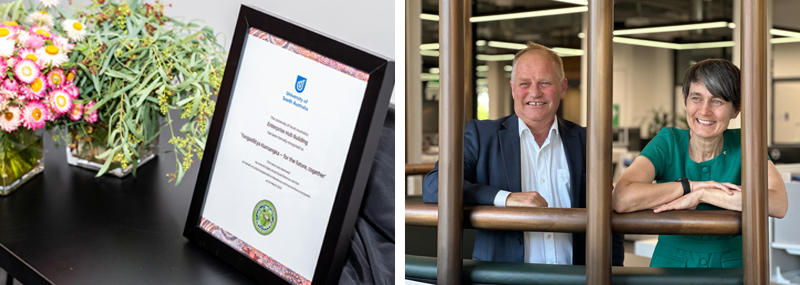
x,y
300,85
265,217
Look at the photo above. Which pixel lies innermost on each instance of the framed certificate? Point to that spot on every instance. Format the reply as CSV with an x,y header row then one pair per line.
x,y
296,127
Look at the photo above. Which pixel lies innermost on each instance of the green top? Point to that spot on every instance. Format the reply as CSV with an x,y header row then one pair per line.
x,y
669,153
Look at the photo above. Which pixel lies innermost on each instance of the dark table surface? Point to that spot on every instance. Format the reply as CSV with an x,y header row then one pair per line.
x,y
67,227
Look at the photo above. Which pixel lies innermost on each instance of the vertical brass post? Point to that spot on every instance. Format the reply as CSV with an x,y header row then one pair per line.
x,y
451,132
598,155
754,142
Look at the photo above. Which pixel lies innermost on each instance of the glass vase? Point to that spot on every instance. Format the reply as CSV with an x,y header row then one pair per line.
x,y
88,143
21,158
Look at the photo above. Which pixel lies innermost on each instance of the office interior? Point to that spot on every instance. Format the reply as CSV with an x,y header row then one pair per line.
x,y
654,43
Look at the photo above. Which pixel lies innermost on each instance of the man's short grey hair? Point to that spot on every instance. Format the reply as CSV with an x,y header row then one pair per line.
x,y
532,47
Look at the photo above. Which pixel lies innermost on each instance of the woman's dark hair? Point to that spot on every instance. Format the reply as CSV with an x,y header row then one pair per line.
x,y
720,77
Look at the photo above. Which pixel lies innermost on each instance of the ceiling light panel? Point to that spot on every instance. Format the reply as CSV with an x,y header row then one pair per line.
x,y
433,46
530,14
576,2
674,28
785,33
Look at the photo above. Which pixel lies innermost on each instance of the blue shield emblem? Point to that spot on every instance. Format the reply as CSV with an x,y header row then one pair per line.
x,y
300,85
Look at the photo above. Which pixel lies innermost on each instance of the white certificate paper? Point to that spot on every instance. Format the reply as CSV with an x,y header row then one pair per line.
x,y
282,150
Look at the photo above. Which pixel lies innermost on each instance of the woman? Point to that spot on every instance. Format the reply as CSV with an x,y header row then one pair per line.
x,y
699,168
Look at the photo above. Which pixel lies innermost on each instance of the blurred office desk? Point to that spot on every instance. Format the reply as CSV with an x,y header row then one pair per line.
x,y
67,227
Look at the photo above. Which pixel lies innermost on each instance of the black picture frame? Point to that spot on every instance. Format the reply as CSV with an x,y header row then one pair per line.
x,y
359,157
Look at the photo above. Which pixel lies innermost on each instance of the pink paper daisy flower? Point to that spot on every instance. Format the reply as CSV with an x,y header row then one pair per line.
x,y
27,71
34,115
70,77
3,68
42,31
11,84
60,102
35,90
52,115
73,92
55,78
6,95
10,119
77,112
9,32
63,44
26,53
90,116
34,42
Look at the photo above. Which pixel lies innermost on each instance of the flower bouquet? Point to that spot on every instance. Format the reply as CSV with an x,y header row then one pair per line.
x,y
138,65
37,87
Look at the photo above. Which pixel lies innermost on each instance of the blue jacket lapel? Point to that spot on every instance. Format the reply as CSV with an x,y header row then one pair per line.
x,y
509,147
575,155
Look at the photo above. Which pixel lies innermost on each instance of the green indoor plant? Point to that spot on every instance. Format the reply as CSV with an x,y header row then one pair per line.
x,y
139,64
659,118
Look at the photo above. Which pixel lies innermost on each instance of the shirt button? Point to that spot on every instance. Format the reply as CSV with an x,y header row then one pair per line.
x,y
705,169
542,180
548,236
703,262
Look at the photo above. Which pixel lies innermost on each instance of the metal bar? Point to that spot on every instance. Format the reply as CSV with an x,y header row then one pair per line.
x,y
721,222
754,141
598,153
451,132
419,169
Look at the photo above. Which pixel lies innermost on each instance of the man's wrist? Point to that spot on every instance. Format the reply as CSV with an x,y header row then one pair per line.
x,y
500,198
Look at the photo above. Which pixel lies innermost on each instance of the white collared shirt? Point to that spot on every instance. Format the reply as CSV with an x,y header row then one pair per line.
x,y
544,169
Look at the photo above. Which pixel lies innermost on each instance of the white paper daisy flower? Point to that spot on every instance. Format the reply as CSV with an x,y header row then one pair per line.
x,y
49,3
7,48
40,18
52,55
23,38
75,30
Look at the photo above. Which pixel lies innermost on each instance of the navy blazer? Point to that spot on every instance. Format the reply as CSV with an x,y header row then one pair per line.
x,y
492,163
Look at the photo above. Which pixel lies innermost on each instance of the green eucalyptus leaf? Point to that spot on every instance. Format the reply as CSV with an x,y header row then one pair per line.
x,y
201,144
125,147
118,74
181,172
104,169
185,72
143,83
108,153
132,129
134,26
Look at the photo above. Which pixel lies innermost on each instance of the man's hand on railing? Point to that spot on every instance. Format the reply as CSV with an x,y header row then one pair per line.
x,y
526,199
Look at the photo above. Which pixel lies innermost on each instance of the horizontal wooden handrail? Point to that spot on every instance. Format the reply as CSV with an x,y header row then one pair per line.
x,y
686,222
419,169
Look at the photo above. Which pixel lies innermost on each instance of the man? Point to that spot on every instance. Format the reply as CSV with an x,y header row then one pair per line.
x,y
529,159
